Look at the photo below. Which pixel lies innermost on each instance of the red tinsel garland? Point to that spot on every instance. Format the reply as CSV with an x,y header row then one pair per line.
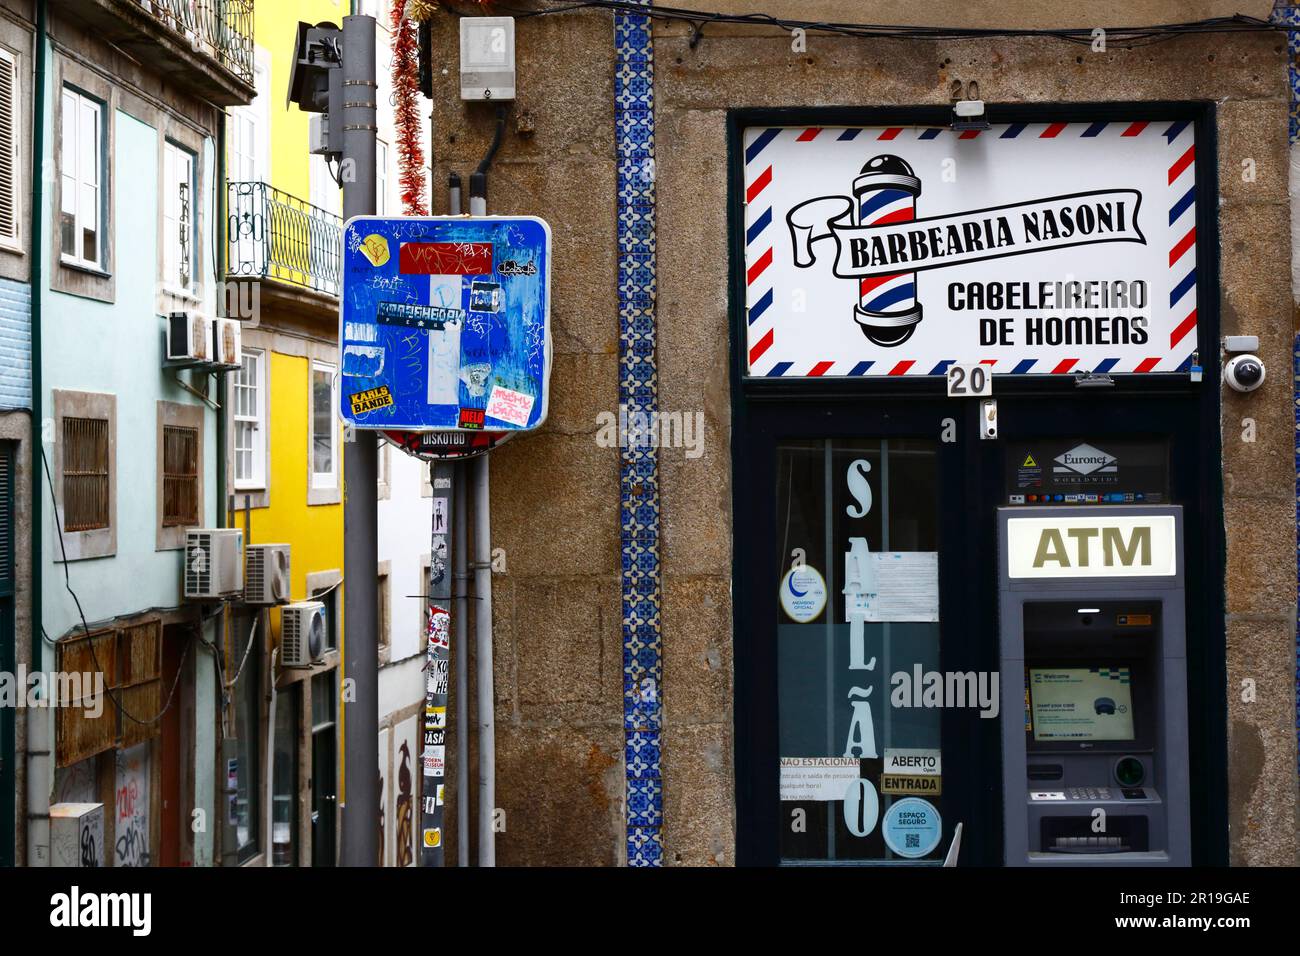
x,y
406,92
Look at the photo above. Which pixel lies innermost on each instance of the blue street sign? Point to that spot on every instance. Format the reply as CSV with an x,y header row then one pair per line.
x,y
445,323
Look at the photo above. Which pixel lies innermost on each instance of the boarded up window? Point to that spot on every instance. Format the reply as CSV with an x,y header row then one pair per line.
x,y
87,721
85,474
139,670
180,476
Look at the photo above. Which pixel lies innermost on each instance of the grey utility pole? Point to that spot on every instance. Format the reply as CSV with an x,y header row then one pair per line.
x,y
360,838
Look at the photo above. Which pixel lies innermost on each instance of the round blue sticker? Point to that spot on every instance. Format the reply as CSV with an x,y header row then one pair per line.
x,y
912,827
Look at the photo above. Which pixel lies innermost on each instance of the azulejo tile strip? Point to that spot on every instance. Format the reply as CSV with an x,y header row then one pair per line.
x,y
1290,15
638,466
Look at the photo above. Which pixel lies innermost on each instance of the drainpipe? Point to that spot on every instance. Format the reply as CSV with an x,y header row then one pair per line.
x,y
487,758
38,731
223,251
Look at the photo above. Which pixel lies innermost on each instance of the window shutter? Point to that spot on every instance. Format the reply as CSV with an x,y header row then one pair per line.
x,y
6,517
8,148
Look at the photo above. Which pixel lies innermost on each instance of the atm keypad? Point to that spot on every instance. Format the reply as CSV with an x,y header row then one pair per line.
x,y
1088,793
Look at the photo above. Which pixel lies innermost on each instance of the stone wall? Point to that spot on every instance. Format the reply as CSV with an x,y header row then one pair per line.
x,y
555,495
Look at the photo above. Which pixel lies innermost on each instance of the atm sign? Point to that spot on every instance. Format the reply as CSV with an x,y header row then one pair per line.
x,y
1092,546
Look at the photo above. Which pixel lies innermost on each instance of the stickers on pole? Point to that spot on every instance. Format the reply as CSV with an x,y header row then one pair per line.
x,y
912,827
445,325
803,594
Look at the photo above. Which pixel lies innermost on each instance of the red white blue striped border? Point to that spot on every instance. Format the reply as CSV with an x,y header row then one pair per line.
x,y
759,248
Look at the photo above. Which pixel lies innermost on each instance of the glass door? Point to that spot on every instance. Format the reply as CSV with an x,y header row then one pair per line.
x,y
865,652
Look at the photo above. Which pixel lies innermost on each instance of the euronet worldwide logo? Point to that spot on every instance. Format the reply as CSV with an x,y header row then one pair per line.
x,y
1084,460
132,910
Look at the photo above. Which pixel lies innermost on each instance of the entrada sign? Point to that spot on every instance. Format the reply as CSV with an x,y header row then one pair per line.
x,y
1043,248
1092,546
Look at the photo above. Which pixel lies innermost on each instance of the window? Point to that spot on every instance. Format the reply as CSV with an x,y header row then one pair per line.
x,y
383,626
86,480
284,795
85,473
383,469
180,472
8,148
81,168
178,204
247,125
250,432
180,476
245,815
381,178
329,596
324,428
324,187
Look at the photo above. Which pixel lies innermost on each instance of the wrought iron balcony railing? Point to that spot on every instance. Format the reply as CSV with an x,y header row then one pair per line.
x,y
273,235
222,29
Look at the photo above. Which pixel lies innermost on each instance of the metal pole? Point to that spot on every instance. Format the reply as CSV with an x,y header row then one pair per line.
x,y
460,576
487,753
360,835
433,754
487,757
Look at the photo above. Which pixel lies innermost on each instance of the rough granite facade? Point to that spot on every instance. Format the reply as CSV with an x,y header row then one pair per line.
x,y
555,494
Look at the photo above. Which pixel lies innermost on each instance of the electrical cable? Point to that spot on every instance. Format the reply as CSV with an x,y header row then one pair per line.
x,y
1237,23
90,642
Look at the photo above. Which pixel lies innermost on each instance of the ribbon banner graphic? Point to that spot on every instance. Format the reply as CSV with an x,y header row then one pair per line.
x,y
1041,225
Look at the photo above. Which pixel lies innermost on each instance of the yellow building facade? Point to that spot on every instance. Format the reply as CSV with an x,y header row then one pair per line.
x,y
284,448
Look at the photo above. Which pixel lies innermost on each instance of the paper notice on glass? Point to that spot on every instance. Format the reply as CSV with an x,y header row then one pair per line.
x,y
906,588
813,779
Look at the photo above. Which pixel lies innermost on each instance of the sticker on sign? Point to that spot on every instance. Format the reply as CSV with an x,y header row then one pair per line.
x,y
444,323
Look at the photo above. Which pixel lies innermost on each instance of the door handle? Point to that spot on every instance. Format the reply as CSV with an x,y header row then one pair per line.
x,y
954,848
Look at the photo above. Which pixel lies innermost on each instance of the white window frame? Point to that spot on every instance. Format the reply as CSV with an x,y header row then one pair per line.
x,y
72,179
173,211
251,149
381,177
9,62
323,481
257,480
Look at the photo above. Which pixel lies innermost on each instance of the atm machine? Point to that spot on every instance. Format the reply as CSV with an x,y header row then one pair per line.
x,y
1094,686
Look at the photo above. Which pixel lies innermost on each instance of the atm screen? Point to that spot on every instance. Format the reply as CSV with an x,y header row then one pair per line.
x,y
1081,703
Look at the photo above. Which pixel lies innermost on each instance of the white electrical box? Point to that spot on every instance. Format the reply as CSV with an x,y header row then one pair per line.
x,y
318,130
77,834
487,58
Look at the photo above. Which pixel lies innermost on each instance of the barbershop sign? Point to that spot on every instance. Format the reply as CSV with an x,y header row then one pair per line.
x,y
1032,248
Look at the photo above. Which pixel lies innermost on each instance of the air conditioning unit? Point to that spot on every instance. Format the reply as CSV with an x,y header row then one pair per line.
x,y
302,633
266,574
214,563
189,339
225,343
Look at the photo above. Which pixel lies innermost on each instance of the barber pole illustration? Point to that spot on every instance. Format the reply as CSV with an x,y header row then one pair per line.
x,y
885,192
